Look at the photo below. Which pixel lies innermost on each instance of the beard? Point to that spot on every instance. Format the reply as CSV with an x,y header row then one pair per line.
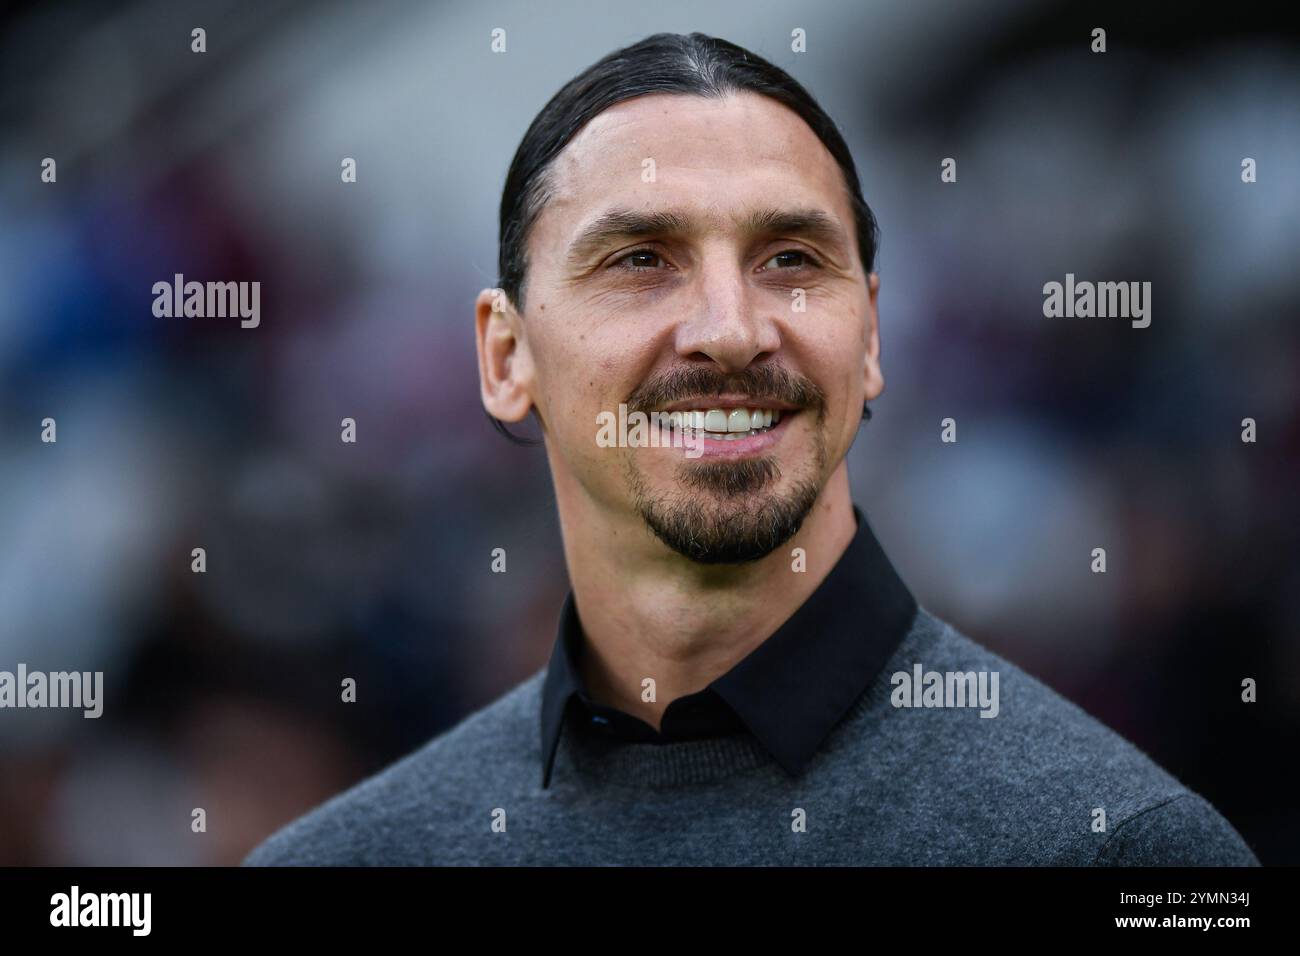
x,y
726,515
727,512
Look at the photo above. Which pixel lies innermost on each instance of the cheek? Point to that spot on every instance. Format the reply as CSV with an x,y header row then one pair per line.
x,y
574,405
835,347
835,352
596,354
573,387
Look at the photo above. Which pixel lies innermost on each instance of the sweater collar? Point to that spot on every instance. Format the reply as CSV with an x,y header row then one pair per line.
x,y
792,689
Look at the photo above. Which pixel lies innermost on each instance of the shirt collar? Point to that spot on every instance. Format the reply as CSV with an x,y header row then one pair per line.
x,y
792,689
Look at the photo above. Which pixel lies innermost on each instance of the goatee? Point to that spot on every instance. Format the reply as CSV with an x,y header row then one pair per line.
x,y
728,519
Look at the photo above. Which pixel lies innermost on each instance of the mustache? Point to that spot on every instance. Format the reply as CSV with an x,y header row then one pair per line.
x,y
772,383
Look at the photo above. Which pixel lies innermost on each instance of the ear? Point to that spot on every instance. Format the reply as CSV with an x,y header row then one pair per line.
x,y
505,366
873,380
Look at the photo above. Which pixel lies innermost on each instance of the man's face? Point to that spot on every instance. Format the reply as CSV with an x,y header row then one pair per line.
x,y
698,255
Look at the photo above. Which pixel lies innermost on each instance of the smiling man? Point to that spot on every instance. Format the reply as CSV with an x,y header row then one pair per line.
x,y
739,676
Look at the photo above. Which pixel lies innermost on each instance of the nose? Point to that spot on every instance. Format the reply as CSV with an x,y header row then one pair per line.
x,y
729,321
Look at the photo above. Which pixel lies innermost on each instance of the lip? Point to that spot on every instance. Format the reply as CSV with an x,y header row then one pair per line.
x,y
727,401
734,447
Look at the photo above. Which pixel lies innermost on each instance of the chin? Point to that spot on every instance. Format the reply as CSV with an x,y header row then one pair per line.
x,y
721,526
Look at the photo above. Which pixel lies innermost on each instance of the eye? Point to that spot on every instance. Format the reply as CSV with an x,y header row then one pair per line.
x,y
800,259
639,260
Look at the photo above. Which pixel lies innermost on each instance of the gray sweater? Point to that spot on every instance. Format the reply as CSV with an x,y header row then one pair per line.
x,y
891,785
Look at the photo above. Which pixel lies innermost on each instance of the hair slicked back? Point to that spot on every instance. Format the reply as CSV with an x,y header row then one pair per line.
x,y
693,64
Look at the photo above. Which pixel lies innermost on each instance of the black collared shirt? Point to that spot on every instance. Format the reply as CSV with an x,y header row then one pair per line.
x,y
789,692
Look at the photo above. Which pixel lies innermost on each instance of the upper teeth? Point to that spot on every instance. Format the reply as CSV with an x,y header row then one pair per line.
x,y
725,420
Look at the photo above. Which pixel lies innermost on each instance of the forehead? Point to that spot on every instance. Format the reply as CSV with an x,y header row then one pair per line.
x,y
713,156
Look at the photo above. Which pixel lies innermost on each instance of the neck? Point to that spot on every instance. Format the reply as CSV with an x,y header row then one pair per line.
x,y
648,612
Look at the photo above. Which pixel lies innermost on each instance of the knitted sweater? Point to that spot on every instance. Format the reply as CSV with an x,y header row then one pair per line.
x,y
891,785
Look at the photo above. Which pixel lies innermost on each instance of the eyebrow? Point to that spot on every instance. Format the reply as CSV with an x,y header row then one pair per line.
x,y
623,224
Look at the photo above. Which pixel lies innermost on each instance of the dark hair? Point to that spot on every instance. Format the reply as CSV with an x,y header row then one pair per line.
x,y
663,63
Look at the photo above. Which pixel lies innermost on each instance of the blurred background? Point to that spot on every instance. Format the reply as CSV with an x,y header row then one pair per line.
x,y
328,560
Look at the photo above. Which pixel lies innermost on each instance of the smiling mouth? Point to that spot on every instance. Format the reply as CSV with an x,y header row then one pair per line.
x,y
723,424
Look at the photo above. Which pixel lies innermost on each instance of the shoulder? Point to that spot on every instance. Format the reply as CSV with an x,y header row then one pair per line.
x,y
1061,784
411,811
1185,830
